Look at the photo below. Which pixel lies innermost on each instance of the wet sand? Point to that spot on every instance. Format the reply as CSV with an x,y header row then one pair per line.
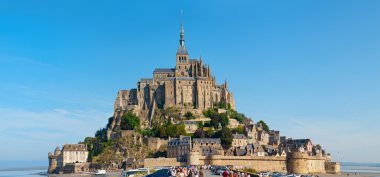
x,y
208,174
343,174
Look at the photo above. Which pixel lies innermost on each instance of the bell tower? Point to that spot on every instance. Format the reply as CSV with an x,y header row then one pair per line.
x,y
182,57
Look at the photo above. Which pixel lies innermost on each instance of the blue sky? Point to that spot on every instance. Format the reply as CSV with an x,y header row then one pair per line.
x,y
308,68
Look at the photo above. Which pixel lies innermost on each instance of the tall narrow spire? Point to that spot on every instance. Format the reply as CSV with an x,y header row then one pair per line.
x,y
182,48
182,34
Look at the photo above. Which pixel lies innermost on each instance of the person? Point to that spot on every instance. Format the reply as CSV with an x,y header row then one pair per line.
x,y
201,172
181,173
172,172
231,174
225,173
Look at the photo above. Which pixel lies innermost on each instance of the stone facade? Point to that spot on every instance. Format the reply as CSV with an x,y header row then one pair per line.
x,y
179,148
291,145
160,162
74,153
154,144
274,138
189,84
192,125
55,161
302,163
207,146
71,159
239,140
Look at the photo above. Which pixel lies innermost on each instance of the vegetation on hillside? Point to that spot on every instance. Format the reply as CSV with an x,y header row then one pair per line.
x,y
217,119
265,126
166,123
129,121
225,136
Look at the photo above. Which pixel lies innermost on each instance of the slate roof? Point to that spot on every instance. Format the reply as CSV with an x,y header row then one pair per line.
x,y
186,78
206,140
258,147
192,60
239,136
182,49
164,70
146,80
241,151
74,147
297,141
179,142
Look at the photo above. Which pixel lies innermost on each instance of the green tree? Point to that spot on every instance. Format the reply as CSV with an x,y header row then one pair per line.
x,y
199,133
265,126
101,134
225,136
209,133
110,120
172,113
239,129
238,116
171,131
129,121
189,115
220,105
214,122
180,130
200,125
223,119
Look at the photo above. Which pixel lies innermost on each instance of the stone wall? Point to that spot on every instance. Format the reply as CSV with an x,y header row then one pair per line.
x,y
301,163
161,162
332,167
277,164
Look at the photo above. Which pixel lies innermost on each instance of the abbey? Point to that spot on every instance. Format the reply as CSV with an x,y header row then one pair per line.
x,y
189,85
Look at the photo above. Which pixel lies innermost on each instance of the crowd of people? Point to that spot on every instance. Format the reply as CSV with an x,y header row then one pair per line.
x,y
199,171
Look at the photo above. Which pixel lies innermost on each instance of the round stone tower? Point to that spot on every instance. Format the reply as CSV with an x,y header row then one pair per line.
x,y
52,163
57,151
297,163
193,158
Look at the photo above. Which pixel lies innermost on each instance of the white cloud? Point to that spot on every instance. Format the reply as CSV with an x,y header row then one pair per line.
x,y
27,135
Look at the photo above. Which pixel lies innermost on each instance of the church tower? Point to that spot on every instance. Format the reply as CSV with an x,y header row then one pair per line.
x,y
182,57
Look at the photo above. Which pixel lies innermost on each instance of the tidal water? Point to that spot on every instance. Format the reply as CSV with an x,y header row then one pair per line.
x,y
360,167
23,173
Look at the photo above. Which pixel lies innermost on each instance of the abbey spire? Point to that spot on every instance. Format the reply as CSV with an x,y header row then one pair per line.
x,y
182,57
182,47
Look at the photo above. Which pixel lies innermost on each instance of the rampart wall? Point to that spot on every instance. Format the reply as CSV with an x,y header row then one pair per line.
x,y
161,162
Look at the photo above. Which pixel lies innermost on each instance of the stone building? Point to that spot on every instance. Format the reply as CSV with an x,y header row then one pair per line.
x,y
71,159
192,125
297,145
251,132
74,153
154,144
55,161
207,146
190,84
274,138
263,137
239,140
179,148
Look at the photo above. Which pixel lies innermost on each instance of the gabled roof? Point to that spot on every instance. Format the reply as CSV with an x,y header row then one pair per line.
x,y
241,151
74,147
206,140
